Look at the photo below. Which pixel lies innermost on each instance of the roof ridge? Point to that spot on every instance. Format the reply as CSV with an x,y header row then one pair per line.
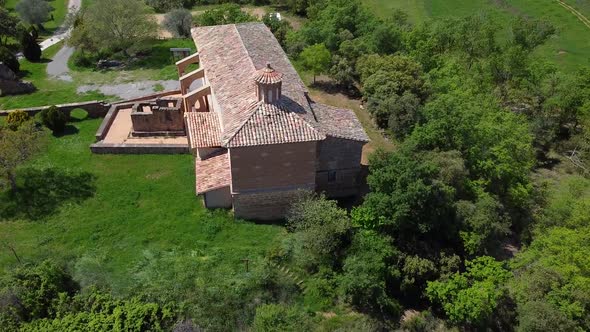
x,y
252,110
281,107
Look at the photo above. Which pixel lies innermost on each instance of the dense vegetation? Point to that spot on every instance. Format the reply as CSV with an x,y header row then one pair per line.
x,y
478,220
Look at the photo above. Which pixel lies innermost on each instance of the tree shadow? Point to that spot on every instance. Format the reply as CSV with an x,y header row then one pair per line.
x,y
68,130
42,192
332,88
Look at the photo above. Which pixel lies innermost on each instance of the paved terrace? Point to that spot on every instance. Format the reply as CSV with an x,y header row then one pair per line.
x,y
120,133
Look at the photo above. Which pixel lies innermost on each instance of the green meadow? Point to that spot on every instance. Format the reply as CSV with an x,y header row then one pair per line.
x,y
569,48
111,218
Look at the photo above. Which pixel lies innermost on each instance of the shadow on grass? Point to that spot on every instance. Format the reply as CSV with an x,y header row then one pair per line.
x,y
334,88
41,192
68,130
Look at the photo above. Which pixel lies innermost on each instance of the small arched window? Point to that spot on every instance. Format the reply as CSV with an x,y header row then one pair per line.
x,y
269,96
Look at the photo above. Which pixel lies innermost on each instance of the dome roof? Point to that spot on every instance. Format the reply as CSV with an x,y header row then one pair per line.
x,y
268,75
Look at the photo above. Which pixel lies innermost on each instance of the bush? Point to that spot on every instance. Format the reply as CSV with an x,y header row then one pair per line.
x,y
166,5
54,119
17,118
31,50
83,59
9,59
179,22
277,317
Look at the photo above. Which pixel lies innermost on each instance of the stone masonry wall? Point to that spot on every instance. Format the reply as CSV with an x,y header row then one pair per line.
x,y
273,166
95,109
270,205
339,166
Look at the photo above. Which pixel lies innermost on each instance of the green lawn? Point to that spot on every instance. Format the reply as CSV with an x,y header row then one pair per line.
x,y
156,65
106,216
570,48
59,13
49,91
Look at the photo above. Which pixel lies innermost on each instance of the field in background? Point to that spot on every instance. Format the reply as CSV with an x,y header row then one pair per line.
x,y
570,48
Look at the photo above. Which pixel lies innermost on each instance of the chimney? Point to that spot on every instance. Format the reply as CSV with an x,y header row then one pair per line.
x,y
268,84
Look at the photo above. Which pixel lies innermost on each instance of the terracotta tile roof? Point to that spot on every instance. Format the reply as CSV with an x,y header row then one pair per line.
x,y
212,173
268,75
340,122
202,129
231,56
273,124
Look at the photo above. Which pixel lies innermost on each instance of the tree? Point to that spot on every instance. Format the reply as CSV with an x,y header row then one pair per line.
x,y
35,288
367,272
529,33
119,24
31,50
485,224
179,22
8,25
321,227
404,113
552,270
471,297
229,13
166,5
34,11
9,59
279,28
54,119
317,59
17,147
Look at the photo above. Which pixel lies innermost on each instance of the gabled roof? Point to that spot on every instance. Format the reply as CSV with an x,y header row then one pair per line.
x,y
272,124
340,123
213,173
203,130
231,56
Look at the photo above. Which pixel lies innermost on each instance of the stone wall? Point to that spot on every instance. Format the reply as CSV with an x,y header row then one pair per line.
x,y
105,148
339,167
273,166
159,117
109,117
266,205
95,108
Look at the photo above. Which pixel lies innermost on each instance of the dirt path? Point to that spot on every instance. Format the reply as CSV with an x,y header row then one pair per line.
x,y
579,15
58,67
63,32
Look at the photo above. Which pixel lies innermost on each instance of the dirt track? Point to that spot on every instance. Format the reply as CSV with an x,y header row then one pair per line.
x,y
579,15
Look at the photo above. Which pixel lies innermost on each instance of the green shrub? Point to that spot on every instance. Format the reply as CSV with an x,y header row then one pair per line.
x,y
83,59
9,59
277,317
16,118
54,119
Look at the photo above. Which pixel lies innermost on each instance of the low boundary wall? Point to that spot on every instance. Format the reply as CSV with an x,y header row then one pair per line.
x,y
95,108
106,148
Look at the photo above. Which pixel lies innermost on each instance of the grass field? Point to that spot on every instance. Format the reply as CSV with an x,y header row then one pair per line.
x,y
156,65
49,91
569,49
105,215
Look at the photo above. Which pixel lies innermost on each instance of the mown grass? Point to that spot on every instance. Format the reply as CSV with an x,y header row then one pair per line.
x,y
49,91
156,64
130,208
569,48
60,10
